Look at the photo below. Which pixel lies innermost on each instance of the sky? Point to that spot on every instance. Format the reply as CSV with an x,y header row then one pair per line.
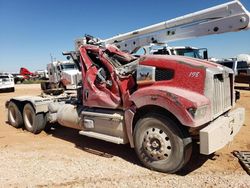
x,y
31,30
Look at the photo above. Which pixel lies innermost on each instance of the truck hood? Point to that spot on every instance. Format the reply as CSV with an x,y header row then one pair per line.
x,y
181,59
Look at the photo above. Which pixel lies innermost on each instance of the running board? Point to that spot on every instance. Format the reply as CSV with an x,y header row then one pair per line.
x,y
104,137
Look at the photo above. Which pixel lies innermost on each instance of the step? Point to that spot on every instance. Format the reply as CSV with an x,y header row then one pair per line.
x,y
104,137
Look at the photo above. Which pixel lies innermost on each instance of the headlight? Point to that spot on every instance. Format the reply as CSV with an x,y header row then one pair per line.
x,y
199,112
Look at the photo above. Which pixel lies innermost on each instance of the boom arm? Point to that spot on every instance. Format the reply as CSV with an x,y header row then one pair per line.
x,y
223,18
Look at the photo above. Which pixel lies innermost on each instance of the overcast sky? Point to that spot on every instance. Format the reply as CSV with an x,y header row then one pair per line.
x,y
31,30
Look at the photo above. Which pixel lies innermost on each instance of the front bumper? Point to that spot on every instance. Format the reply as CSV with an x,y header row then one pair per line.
x,y
71,86
221,131
6,86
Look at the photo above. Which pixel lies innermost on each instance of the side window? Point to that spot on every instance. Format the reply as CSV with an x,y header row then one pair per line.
x,y
242,64
228,64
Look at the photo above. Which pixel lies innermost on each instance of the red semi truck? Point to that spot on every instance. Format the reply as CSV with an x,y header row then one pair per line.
x,y
154,103
157,104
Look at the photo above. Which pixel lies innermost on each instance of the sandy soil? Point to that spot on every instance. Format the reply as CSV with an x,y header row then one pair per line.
x,y
63,158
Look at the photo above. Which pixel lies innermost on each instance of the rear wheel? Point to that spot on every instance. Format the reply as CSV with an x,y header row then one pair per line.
x,y
62,86
33,122
15,118
161,144
43,86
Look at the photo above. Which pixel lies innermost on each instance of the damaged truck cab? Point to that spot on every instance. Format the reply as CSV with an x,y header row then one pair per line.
x,y
156,104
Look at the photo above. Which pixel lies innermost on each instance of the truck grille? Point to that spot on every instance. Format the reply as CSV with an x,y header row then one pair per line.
x,y
163,74
222,93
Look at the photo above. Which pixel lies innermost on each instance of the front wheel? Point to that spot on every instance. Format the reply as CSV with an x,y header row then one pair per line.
x,y
33,122
161,144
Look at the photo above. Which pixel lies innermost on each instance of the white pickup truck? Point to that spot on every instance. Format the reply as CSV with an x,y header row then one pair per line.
x,y
7,82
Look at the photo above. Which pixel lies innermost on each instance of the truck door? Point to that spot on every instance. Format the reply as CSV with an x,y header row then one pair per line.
x,y
99,86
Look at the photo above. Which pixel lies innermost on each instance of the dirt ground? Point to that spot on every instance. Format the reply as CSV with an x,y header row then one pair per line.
x,y
63,158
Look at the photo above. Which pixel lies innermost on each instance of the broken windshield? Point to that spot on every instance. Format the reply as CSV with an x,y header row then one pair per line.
x,y
117,57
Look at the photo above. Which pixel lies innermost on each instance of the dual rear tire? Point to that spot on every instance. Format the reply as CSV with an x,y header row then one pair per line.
x,y
14,115
33,122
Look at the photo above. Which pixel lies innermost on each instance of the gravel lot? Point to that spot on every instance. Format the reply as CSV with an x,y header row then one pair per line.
x,y
62,158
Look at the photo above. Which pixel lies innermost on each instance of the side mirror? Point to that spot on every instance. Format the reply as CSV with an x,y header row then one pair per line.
x,y
205,54
68,57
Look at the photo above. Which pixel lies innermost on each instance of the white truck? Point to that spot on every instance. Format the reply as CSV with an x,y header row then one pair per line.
x,y
241,69
7,82
188,51
62,75
244,57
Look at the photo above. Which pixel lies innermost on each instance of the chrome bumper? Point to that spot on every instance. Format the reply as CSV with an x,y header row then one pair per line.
x,y
221,131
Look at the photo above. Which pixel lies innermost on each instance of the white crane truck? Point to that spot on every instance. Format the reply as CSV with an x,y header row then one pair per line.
x,y
63,75
156,104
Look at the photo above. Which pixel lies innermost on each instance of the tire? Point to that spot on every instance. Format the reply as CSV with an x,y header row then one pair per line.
x,y
161,144
33,122
62,86
12,89
15,117
43,86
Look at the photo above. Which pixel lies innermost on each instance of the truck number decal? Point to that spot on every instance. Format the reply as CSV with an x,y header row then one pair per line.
x,y
194,74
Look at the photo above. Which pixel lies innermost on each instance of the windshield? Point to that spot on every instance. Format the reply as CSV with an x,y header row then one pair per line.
x,y
68,66
117,57
3,77
228,64
195,53
242,65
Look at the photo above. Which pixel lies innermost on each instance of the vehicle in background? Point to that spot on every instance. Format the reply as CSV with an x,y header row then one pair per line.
x,y
241,70
27,74
24,74
244,57
63,75
18,78
188,51
7,82
42,74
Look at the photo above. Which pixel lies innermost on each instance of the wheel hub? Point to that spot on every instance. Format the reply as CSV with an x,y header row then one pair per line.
x,y
157,144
